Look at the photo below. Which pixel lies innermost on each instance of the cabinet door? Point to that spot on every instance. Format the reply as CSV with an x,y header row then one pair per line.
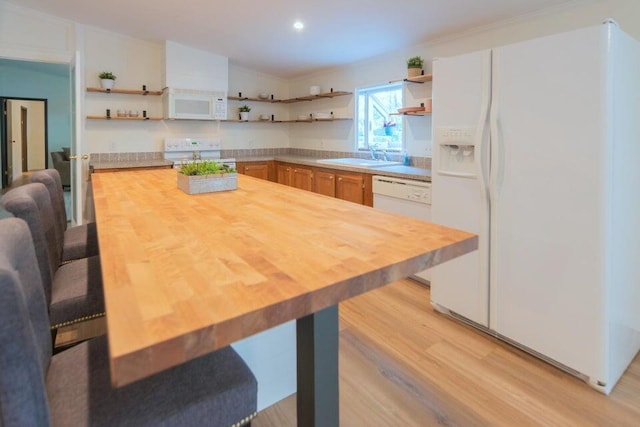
x,y
325,183
350,187
284,174
302,178
257,170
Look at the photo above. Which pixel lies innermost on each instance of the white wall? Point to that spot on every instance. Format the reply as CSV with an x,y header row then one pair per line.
x,y
26,34
250,83
391,66
29,35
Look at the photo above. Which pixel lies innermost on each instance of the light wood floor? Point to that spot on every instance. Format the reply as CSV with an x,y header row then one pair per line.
x,y
402,364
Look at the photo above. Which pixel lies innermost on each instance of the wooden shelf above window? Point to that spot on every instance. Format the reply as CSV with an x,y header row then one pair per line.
x,y
125,91
412,113
123,118
418,79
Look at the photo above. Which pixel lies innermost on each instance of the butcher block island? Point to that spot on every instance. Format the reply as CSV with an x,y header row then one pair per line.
x,y
185,275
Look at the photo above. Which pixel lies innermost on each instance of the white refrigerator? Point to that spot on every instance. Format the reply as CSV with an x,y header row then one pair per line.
x,y
537,149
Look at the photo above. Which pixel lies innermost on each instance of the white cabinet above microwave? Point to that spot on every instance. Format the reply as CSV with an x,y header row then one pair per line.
x,y
194,104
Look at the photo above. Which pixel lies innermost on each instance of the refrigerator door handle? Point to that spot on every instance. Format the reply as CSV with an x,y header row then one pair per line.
x,y
496,151
482,136
483,164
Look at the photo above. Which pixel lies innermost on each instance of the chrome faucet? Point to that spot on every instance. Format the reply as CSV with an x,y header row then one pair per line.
x,y
374,156
384,155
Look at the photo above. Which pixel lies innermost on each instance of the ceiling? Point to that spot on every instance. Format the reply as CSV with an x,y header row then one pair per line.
x,y
259,34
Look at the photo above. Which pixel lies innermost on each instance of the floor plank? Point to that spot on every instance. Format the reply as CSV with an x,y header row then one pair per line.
x,y
403,364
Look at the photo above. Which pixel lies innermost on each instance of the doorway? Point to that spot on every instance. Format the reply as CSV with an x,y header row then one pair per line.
x,y
24,137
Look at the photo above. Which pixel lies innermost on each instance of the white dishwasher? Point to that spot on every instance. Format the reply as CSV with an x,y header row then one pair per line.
x,y
405,197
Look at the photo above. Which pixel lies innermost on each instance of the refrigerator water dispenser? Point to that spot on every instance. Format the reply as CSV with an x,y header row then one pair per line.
x,y
457,156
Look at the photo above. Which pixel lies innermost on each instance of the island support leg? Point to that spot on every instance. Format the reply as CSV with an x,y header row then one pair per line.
x,y
317,348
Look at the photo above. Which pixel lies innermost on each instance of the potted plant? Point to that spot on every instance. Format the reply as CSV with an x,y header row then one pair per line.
x,y
107,79
389,127
414,66
206,177
244,112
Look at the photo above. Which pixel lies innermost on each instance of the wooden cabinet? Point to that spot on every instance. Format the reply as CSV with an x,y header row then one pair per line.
x,y
325,182
141,168
302,178
350,187
263,170
283,174
295,176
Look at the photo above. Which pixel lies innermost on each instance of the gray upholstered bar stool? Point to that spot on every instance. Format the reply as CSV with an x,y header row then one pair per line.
x,y
77,242
73,387
74,290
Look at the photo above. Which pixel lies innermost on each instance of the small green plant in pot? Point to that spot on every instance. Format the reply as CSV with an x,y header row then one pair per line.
x,y
206,177
414,66
107,79
244,112
207,167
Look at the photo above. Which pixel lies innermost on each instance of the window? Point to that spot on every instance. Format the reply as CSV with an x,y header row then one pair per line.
x,y
376,127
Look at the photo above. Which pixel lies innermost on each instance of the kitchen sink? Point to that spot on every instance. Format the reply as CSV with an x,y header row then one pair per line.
x,y
352,161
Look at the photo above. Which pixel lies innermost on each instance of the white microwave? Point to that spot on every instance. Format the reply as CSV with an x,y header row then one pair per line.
x,y
194,104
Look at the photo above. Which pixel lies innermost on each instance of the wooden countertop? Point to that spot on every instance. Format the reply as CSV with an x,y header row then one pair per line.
x,y
129,164
185,275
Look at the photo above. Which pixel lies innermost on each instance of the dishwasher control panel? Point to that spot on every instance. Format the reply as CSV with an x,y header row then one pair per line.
x,y
400,188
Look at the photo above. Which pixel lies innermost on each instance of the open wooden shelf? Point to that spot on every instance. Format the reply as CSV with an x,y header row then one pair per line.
x,y
122,118
125,91
335,119
244,98
252,121
412,113
326,95
418,79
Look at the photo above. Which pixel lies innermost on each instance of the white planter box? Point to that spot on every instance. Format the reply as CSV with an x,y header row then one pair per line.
x,y
207,183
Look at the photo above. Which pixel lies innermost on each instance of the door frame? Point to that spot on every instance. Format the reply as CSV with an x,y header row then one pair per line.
x,y
3,134
24,136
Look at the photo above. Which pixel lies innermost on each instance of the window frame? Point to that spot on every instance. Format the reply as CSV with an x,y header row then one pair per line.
x,y
367,91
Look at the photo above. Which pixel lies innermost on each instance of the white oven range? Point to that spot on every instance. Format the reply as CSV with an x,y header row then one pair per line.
x,y
194,150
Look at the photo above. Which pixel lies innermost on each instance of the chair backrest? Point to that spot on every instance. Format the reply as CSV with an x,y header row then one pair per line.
x,y
57,157
31,203
51,179
25,340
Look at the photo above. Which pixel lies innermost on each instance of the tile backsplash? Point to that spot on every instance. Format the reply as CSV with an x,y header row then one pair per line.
x,y
419,162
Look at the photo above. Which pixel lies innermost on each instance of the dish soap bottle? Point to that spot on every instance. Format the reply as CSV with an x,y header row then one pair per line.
x,y
407,160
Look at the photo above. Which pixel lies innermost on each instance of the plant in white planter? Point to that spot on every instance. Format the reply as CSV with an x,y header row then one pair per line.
x,y
206,177
414,66
107,79
244,112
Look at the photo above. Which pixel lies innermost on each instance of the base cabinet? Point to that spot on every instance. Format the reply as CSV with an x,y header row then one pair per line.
x,y
302,178
284,174
325,183
350,186
263,170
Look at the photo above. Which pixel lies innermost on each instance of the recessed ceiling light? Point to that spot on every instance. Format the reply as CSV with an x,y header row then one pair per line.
x,y
298,25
